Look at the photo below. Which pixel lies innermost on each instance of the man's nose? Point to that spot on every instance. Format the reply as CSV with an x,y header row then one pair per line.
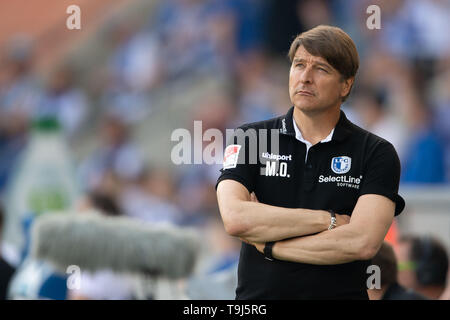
x,y
306,75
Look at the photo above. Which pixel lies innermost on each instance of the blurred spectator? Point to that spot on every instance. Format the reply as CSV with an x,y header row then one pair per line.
x,y
102,201
134,69
282,25
224,248
184,39
39,279
131,107
64,101
440,98
424,159
6,271
117,154
103,284
222,24
218,277
429,19
376,117
136,64
19,91
119,37
421,149
256,91
220,285
196,195
151,199
398,32
250,19
446,294
19,96
312,13
423,265
390,289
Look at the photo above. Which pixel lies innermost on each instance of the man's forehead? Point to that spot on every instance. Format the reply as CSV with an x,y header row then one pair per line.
x,y
302,54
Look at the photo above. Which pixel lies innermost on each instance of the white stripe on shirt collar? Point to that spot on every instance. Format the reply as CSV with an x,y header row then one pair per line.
x,y
299,137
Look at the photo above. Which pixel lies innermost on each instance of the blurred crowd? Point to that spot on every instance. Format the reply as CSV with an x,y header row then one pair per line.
x,y
402,93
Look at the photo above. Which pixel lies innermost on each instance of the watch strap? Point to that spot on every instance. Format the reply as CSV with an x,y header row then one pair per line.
x,y
268,250
333,221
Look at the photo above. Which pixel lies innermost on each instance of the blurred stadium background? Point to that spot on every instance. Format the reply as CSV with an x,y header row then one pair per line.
x,y
139,69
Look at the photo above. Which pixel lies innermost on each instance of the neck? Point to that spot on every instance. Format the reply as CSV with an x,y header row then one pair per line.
x,y
316,126
377,294
431,292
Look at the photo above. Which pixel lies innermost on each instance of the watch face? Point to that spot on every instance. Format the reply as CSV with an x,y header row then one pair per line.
x,y
332,224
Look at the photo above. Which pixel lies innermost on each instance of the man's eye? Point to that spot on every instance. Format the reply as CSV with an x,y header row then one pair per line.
x,y
322,69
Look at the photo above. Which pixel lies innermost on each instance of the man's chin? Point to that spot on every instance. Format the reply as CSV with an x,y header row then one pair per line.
x,y
308,108
311,109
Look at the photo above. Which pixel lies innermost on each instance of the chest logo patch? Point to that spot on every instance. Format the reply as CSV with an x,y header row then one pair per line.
x,y
341,165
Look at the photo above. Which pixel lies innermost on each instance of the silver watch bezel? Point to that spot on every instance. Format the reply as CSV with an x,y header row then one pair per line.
x,y
332,223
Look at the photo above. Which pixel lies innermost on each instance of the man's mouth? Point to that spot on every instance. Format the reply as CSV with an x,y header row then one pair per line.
x,y
304,93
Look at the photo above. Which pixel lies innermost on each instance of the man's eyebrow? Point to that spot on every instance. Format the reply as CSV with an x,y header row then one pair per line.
x,y
317,63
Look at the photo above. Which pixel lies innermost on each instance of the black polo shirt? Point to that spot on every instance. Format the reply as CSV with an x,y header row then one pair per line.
x,y
334,176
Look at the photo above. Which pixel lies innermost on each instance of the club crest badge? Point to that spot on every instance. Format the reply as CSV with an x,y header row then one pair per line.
x,y
341,165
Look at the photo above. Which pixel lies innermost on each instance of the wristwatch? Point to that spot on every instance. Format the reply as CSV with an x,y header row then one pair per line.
x,y
268,250
333,220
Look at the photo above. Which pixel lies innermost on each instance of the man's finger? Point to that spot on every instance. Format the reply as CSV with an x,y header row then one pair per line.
x,y
253,197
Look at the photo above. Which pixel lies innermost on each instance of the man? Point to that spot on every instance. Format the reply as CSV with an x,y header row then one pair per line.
x,y
423,265
390,288
283,206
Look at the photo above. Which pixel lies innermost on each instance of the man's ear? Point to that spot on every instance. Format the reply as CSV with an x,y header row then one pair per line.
x,y
347,86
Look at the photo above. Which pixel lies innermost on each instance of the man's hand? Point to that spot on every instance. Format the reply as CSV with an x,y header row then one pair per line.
x,y
253,197
258,245
342,219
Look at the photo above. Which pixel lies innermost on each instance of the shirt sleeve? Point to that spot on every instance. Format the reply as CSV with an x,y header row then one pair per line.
x,y
382,175
240,158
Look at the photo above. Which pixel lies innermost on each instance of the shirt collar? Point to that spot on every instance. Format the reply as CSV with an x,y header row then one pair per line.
x,y
299,136
339,133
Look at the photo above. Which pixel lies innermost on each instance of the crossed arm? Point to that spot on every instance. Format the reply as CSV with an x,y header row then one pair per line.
x,y
305,231
258,223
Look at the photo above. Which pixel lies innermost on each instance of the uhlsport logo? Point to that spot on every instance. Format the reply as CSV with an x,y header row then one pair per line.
x,y
341,165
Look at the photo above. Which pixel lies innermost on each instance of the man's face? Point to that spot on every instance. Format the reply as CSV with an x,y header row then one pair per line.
x,y
314,85
406,272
